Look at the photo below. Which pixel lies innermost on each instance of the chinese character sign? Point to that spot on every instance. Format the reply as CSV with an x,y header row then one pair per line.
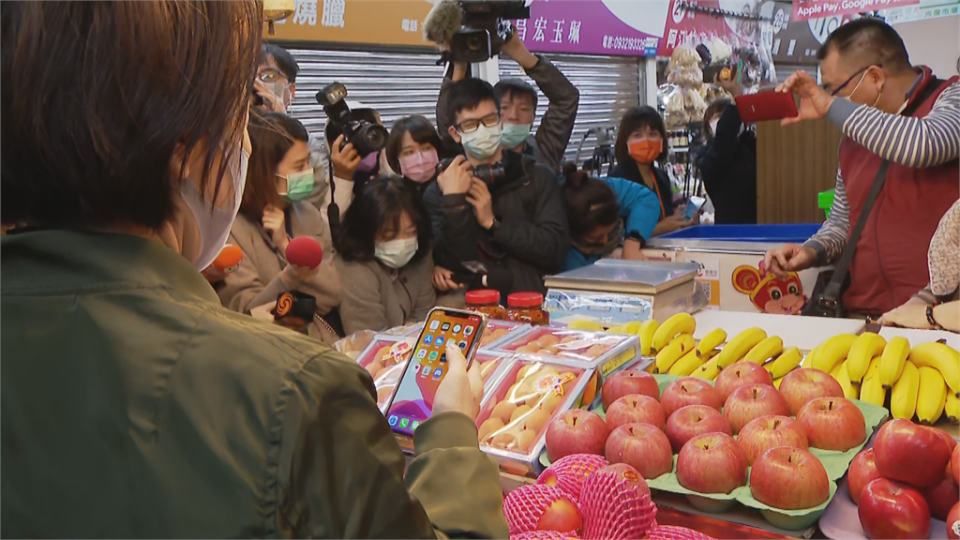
x,y
369,22
815,9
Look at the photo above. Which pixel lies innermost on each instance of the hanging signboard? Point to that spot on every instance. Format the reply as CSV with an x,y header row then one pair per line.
x,y
368,22
924,9
815,9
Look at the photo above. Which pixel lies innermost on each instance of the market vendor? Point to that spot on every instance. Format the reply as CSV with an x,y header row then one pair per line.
x,y
887,110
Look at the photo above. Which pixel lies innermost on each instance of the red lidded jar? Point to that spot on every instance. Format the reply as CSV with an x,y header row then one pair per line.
x,y
527,307
486,301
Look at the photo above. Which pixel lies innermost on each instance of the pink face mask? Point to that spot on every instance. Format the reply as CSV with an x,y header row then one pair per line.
x,y
369,162
419,167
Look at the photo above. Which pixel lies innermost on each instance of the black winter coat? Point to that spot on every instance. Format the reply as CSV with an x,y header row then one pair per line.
x,y
728,167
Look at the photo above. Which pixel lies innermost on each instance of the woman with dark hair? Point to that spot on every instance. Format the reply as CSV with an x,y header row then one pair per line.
x,y
641,143
413,150
384,248
272,213
728,162
133,404
605,214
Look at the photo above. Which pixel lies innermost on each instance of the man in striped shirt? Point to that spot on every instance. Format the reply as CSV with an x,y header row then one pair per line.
x,y
887,110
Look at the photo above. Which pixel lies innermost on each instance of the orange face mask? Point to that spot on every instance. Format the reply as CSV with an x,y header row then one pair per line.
x,y
645,151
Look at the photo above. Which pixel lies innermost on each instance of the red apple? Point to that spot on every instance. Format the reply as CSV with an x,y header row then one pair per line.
x,y
688,422
941,497
863,470
711,463
789,478
833,423
642,446
916,455
889,509
635,408
561,515
800,386
762,434
955,463
689,391
953,523
625,383
751,402
576,432
741,374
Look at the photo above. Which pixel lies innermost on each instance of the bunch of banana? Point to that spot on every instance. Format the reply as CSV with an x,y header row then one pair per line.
x,y
670,354
705,350
738,347
788,360
832,352
752,343
871,390
679,324
865,347
645,333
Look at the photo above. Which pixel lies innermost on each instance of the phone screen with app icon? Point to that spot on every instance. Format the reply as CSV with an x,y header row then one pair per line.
x,y
413,400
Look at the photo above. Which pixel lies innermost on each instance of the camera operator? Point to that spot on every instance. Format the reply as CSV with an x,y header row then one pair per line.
x,y
518,105
512,222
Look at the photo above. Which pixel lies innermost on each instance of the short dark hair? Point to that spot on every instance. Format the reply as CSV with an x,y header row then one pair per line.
x,y
590,202
513,88
381,203
715,108
469,94
871,41
271,136
634,119
285,61
96,111
422,132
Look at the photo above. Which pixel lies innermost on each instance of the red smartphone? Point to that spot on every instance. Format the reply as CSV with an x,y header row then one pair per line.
x,y
412,402
765,106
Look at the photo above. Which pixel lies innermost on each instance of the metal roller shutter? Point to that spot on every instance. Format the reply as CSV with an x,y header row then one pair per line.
x,y
396,84
608,87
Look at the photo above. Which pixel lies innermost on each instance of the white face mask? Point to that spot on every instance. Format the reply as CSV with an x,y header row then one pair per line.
x,y
396,253
482,143
213,220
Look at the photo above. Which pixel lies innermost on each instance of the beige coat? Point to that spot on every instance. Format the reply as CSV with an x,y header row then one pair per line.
x,y
257,281
377,298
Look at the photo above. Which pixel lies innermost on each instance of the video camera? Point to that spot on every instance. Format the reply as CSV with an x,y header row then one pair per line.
x,y
474,29
359,128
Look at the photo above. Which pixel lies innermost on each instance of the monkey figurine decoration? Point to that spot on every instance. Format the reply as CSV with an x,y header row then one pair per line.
x,y
769,293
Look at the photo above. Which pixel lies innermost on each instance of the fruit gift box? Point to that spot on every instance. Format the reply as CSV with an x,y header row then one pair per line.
x,y
526,396
384,358
587,349
498,332
492,363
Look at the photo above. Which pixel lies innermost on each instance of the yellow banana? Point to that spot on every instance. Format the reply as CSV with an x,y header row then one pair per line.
x,y
586,324
951,407
709,370
903,398
711,341
674,351
647,328
932,394
833,351
864,348
785,363
765,350
836,370
739,346
681,323
871,390
632,327
851,390
808,360
687,364
893,361
941,357
776,383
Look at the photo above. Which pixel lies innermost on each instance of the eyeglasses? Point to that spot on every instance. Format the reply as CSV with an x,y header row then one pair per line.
x,y
469,126
848,81
270,75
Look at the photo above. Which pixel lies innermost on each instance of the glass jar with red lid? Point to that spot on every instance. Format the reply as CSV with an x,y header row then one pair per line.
x,y
486,301
527,307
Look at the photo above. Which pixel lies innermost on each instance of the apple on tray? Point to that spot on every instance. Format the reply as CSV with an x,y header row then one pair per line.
x,y
889,509
642,446
635,408
833,423
711,463
803,385
576,431
687,422
789,478
863,470
762,434
941,497
909,453
751,402
741,374
625,383
689,391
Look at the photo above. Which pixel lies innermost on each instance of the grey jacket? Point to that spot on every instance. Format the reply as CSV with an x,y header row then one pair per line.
x,y
377,298
550,141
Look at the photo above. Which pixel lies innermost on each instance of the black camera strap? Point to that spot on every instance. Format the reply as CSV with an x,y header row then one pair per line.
x,y
333,210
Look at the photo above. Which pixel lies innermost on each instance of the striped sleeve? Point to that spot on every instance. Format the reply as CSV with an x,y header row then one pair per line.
x,y
907,140
829,241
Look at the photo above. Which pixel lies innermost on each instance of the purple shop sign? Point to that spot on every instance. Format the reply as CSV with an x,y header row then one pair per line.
x,y
601,27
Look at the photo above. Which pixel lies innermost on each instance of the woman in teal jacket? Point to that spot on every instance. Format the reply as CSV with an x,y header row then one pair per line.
x,y
605,214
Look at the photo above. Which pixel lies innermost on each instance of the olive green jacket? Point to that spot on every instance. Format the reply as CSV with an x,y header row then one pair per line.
x,y
133,405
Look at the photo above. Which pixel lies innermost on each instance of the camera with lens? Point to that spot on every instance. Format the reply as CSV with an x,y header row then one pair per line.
x,y
486,27
359,127
491,174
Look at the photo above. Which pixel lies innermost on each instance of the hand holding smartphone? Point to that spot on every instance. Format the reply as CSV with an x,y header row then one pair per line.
x,y
694,204
766,105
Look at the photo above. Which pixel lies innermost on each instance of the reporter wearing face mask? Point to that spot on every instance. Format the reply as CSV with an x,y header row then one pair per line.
x,y
384,253
272,213
413,149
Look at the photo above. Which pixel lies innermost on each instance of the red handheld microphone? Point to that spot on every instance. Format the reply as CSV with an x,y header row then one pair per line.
x,y
229,259
304,251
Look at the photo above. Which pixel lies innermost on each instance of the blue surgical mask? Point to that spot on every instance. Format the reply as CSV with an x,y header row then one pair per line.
x,y
514,135
299,185
482,143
